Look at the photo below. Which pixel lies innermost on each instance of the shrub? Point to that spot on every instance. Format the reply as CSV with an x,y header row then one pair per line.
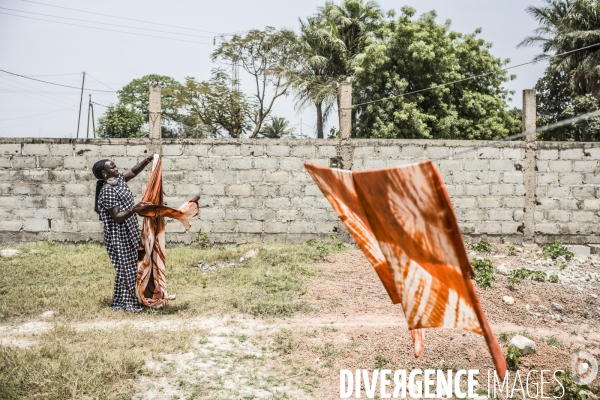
x,y
513,358
483,246
568,389
556,250
554,278
511,251
484,273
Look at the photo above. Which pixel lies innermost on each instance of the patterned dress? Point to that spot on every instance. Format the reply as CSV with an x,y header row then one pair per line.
x,y
122,242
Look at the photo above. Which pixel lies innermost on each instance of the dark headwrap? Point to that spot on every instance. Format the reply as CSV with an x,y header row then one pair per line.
x,y
97,170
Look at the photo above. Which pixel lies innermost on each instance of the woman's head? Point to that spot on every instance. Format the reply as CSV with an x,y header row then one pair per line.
x,y
105,169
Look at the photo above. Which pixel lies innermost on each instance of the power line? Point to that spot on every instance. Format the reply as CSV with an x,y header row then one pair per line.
x,y
475,77
33,116
98,104
74,73
105,29
54,99
106,23
100,82
33,122
115,16
56,84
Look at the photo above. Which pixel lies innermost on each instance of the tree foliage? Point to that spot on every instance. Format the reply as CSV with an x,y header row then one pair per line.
x,y
120,121
215,108
415,55
276,129
261,54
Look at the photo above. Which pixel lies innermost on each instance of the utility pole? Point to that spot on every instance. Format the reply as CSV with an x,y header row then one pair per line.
x,y
87,135
80,103
93,122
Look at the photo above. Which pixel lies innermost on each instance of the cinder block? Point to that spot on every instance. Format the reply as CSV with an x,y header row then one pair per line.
x,y
318,161
75,162
489,202
303,151
195,150
36,149
570,179
276,176
450,165
327,151
249,202
512,154
302,227
477,165
547,228
489,227
110,150
51,162
136,150
478,190
225,176
263,215
502,165
291,190
87,150
364,151
583,216
326,227
35,175
24,162
265,163
501,214
5,188
489,176
62,226
35,225
510,228
275,227
560,166
24,188
5,161
413,151
249,226
513,177
168,164
558,191
585,166
571,154
278,151
551,154
455,190
10,226
387,152
547,179
266,190
200,176
255,150
592,154
513,202
212,214
436,152
172,150
518,215
187,190
374,163
238,214
399,163
214,163
239,190
76,189
10,149
503,190
252,175
290,164
287,215
583,192
591,204
489,152
558,215
520,190
59,149
227,150
591,179
217,189
277,202
464,153
187,163
464,202
474,215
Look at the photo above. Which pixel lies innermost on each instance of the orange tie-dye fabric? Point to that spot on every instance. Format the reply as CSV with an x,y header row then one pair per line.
x,y
151,283
403,221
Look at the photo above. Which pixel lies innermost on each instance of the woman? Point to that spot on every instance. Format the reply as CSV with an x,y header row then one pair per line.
x,y
114,204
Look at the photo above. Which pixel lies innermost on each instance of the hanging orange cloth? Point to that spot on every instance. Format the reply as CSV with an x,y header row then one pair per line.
x,y
150,283
403,221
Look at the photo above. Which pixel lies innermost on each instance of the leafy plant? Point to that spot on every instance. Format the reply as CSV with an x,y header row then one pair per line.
x,y
511,251
554,341
380,361
513,358
554,279
513,281
563,266
484,273
283,342
556,250
483,246
538,276
202,240
504,336
568,388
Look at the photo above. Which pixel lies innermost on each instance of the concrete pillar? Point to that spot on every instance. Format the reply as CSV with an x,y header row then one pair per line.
x,y
529,114
529,173
154,113
345,149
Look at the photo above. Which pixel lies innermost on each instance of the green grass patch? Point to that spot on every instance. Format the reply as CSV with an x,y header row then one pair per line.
x,y
556,250
76,281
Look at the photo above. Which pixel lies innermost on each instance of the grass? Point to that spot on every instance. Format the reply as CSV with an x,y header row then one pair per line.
x,y
91,364
77,281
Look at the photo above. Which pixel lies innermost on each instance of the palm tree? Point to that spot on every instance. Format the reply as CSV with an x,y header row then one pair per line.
x,y
276,129
567,25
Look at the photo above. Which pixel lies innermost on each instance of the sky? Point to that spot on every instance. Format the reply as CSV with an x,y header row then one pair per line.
x,y
60,52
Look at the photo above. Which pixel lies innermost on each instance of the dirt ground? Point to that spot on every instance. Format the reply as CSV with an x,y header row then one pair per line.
x,y
355,326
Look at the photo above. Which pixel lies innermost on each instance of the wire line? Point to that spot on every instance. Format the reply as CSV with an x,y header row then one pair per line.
x,y
115,16
474,77
36,115
106,23
56,84
105,29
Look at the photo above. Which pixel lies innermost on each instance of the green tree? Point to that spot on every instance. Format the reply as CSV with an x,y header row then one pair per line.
x,y
262,54
276,129
137,95
415,55
120,121
215,108
567,25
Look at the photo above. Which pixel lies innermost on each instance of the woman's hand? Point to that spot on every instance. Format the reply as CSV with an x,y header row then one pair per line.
x,y
140,205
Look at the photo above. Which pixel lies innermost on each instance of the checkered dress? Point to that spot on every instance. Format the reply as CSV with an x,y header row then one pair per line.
x,y
122,242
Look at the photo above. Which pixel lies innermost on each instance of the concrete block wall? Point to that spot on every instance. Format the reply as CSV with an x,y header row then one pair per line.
x,y
258,190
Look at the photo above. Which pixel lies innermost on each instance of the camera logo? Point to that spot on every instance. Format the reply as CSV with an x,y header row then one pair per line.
x,y
584,367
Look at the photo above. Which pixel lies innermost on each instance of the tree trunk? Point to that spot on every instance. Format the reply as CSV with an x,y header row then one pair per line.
x,y
319,120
